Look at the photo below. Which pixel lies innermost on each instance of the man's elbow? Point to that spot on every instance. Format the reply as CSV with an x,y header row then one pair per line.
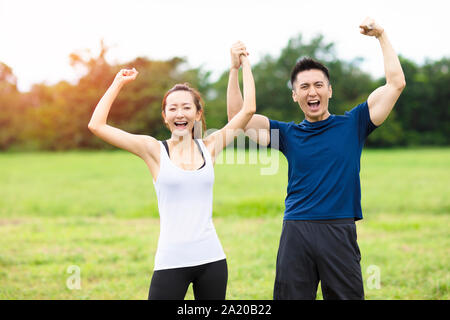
x,y
398,85
402,84
249,108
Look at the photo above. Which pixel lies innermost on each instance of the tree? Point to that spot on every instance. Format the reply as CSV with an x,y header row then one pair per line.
x,y
272,79
55,117
422,109
10,107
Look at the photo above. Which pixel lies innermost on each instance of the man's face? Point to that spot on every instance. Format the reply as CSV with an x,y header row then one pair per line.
x,y
312,91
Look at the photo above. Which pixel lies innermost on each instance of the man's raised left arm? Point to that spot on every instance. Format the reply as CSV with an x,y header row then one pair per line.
x,y
382,100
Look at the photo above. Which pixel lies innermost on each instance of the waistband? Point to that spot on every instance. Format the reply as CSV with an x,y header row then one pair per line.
x,y
333,221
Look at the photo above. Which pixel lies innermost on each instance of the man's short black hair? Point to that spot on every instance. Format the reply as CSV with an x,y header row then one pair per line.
x,y
308,64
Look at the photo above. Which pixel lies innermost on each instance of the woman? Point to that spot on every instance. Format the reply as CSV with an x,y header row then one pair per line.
x,y
189,250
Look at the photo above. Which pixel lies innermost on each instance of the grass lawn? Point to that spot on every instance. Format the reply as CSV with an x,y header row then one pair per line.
x,y
97,211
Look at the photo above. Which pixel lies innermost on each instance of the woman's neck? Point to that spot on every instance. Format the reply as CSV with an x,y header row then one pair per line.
x,y
181,141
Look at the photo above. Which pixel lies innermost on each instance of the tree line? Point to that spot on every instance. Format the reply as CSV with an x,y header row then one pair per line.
x,y
55,117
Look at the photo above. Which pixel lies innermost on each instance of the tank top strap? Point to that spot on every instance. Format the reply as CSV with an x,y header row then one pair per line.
x,y
164,153
201,151
206,154
165,156
164,142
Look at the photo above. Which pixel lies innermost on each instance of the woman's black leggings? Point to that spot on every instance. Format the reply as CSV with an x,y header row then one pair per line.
x,y
209,282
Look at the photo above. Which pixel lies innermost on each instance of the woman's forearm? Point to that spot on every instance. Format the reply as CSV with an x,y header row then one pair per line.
x,y
234,96
101,111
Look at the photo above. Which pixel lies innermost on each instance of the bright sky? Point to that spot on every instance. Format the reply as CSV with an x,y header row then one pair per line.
x,y
37,37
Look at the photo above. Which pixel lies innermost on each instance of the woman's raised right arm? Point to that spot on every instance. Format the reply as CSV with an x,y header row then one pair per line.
x,y
143,146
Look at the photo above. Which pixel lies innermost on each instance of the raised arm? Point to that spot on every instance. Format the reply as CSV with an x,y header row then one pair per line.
x,y
143,146
258,127
383,99
234,97
220,139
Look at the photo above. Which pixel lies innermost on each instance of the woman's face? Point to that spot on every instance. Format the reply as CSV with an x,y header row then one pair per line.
x,y
180,113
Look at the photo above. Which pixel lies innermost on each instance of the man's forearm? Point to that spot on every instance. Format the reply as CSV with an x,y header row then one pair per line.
x,y
249,88
234,96
392,68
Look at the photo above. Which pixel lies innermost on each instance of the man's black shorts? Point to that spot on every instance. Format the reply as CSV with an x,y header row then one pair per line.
x,y
313,251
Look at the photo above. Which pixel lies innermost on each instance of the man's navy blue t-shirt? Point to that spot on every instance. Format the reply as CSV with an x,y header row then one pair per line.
x,y
324,163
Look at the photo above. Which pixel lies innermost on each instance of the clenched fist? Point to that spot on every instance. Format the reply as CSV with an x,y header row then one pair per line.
x,y
370,28
238,51
126,75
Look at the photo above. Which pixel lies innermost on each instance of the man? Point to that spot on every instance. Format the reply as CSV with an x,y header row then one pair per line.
x,y
318,240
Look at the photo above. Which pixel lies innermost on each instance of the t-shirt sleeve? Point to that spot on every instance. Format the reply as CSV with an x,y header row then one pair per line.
x,y
278,135
364,125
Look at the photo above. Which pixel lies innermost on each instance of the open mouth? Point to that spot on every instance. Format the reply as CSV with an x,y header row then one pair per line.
x,y
181,124
314,105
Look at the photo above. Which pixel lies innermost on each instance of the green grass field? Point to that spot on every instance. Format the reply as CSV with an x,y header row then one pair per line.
x,y
97,211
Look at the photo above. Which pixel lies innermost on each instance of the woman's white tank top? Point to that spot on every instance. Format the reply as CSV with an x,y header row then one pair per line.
x,y
187,234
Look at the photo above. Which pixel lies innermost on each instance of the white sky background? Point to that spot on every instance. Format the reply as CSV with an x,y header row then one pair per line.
x,y
36,37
